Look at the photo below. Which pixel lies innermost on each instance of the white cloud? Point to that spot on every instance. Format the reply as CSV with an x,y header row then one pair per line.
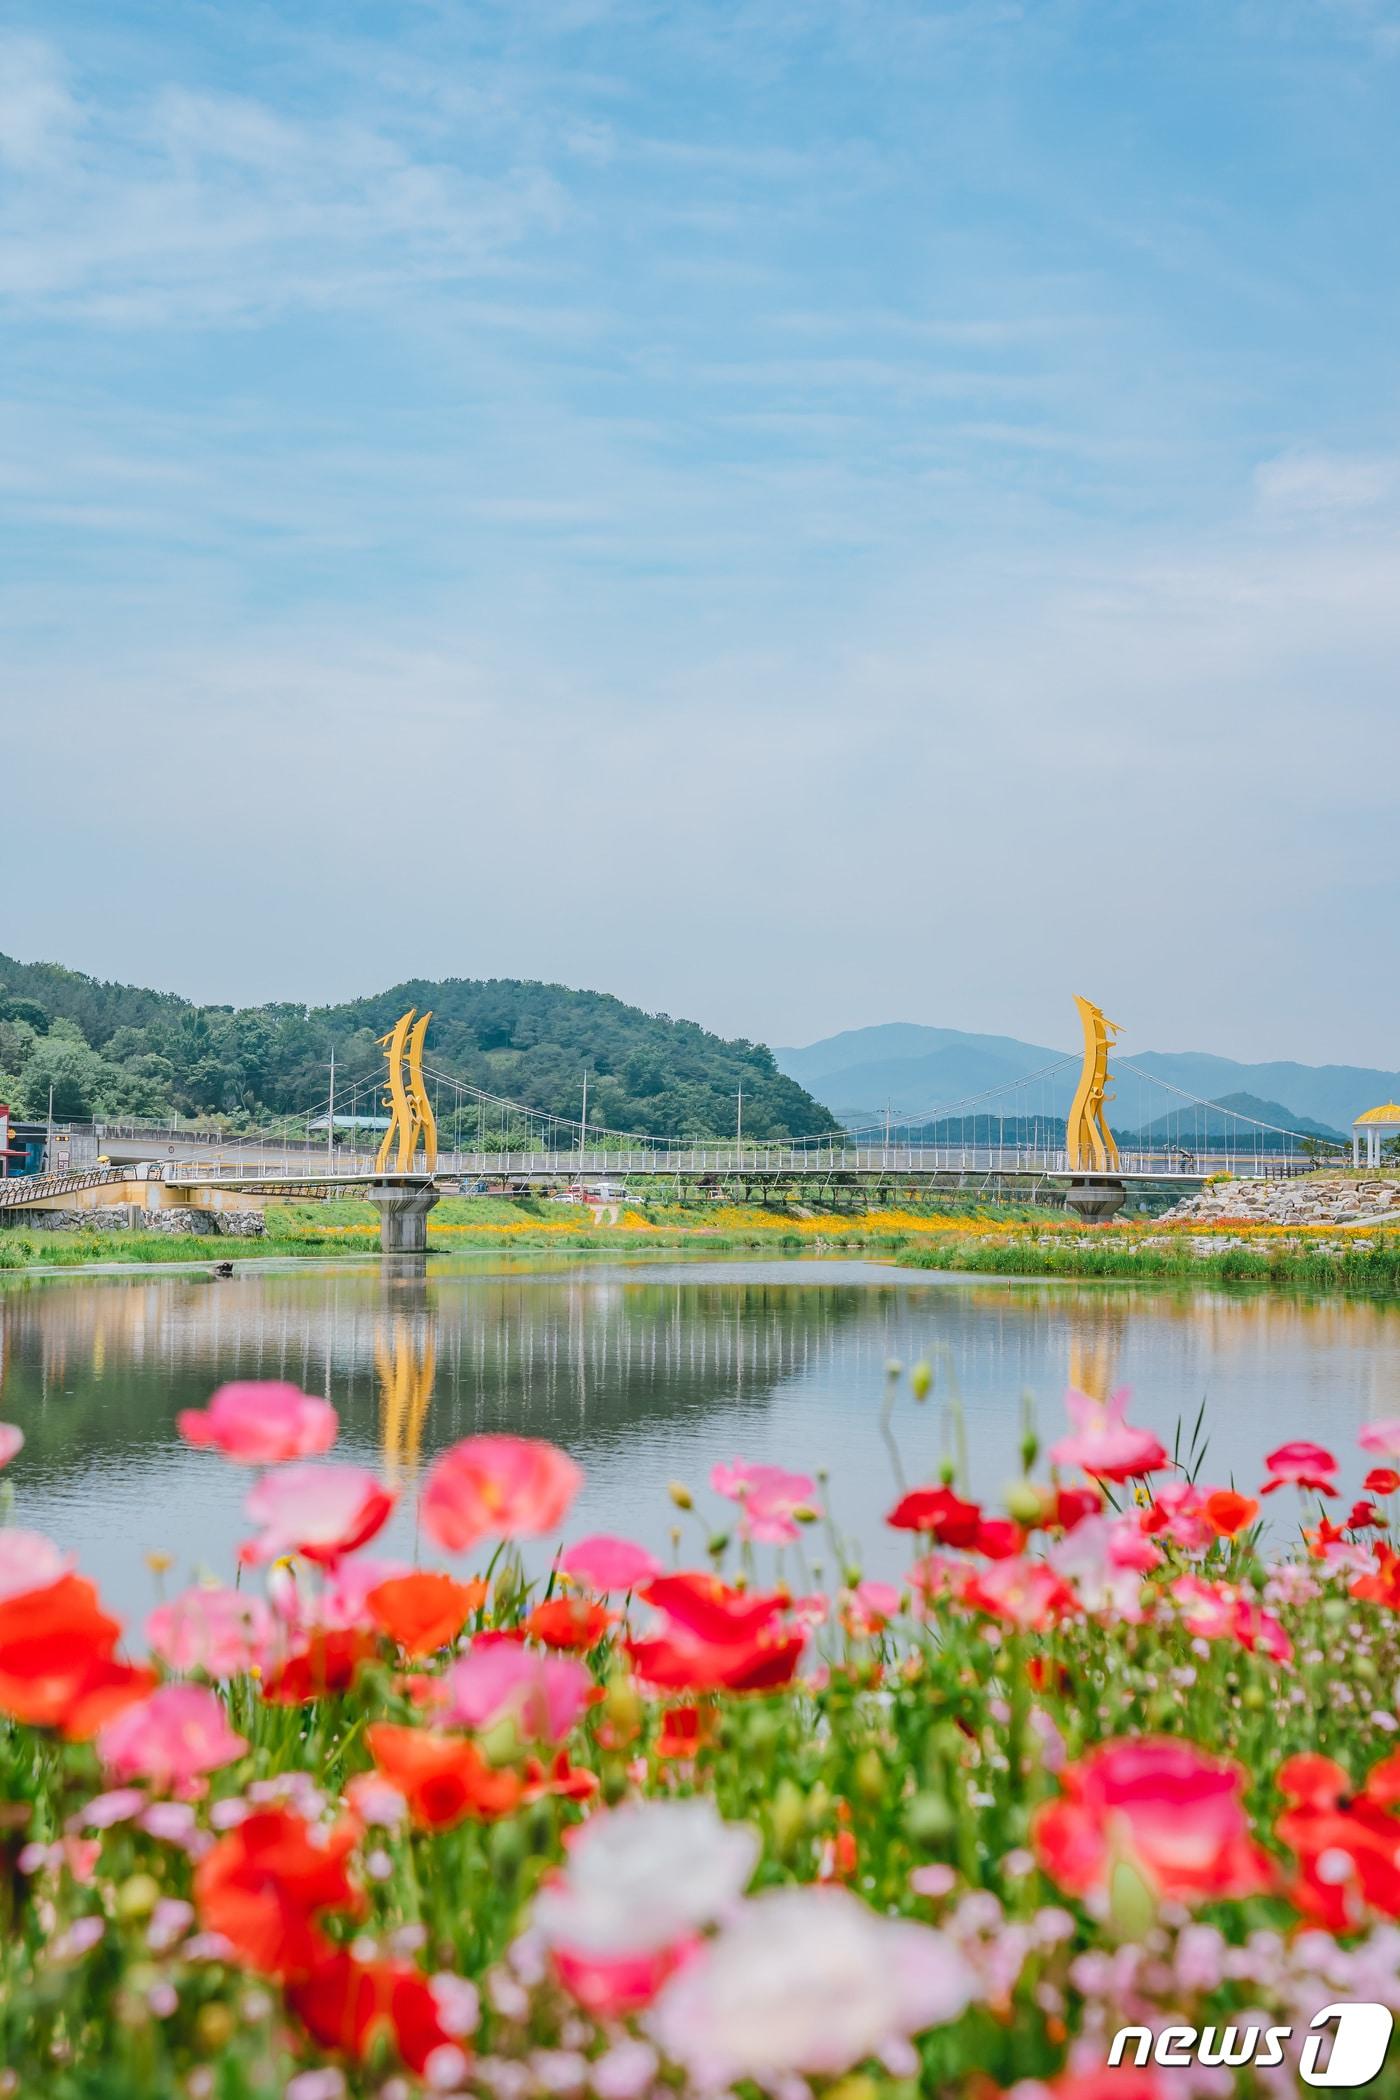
x,y
1326,483
37,112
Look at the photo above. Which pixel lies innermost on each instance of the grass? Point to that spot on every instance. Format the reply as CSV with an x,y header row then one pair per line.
x,y
1372,1271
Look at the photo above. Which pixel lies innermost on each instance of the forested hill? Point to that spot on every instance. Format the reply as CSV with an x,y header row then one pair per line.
x,y
117,1050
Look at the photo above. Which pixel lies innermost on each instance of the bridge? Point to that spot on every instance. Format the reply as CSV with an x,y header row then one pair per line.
x,y
1053,1155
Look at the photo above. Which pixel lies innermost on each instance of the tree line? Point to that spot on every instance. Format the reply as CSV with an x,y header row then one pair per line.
x,y
113,1051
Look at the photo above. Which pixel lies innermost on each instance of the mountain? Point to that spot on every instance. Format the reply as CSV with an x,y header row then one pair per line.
x,y
1218,1119
116,1050
923,1069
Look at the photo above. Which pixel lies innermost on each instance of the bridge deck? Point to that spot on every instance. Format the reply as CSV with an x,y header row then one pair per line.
x,y
717,1164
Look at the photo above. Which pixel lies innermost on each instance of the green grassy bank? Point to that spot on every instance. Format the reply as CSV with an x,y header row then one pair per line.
x,y
348,1228
1373,1271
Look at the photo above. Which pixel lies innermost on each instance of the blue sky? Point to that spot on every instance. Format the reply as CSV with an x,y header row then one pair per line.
x,y
799,514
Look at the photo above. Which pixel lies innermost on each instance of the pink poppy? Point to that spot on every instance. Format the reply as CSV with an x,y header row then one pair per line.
x,y
605,1564
612,1986
1024,1593
258,1422
11,1441
768,1497
1382,1438
868,1608
1218,1611
220,1631
320,1512
1171,1810
543,1694
1178,1515
499,1487
29,1561
1303,1465
342,1602
1105,1558
171,1738
1103,1444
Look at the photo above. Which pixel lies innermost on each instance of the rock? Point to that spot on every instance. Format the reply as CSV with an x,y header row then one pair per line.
x,y
1314,1200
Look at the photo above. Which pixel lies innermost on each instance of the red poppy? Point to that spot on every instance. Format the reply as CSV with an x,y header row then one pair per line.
x,y
939,1514
1071,1506
571,1623
326,1664
998,1538
263,1885
716,1637
58,1666
1312,1781
1174,1812
685,1731
1227,1513
1301,1464
569,1782
1381,1480
1364,1516
424,1611
1323,1536
443,1778
351,2005
1347,1846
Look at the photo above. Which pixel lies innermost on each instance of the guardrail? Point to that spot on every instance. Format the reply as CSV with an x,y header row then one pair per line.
x,y
17,1190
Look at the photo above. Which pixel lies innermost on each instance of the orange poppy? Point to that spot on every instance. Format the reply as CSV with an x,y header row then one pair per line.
x,y
58,1666
424,1611
571,1623
443,1778
1228,1513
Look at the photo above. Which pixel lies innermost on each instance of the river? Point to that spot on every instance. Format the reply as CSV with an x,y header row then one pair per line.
x,y
646,1371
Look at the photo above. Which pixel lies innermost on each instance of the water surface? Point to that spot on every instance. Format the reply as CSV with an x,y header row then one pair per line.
x,y
646,1371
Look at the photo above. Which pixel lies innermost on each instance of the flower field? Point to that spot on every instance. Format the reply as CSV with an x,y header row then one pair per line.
x,y
1121,1753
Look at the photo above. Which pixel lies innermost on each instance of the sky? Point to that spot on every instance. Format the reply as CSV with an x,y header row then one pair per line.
x,y
800,513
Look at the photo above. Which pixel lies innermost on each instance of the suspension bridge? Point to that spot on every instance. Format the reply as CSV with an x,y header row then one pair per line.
x,y
1043,1136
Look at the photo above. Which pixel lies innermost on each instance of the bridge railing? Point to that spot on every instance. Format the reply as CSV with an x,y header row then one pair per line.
x,y
717,1162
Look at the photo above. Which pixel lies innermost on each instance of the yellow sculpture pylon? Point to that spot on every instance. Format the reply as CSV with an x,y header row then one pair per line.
x,y
410,1111
406,1369
1089,1146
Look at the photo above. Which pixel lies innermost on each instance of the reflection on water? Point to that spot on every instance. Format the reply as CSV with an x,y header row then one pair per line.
x,y
644,1372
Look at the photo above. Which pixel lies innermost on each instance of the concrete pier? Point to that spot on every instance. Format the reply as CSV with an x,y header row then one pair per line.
x,y
403,1202
1095,1200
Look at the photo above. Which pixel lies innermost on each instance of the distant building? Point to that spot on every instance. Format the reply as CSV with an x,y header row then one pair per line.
x,y
22,1145
350,1123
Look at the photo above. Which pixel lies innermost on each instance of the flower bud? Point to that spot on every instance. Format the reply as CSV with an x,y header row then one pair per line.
x,y
928,1817
921,1380
680,1494
214,2027
1023,1501
869,1776
1132,1907
137,1896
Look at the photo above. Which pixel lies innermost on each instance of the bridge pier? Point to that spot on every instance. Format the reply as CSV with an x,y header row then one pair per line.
x,y
403,1202
1095,1200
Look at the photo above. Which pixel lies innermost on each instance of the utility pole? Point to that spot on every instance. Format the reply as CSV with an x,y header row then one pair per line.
x,y
583,1123
48,1142
330,1119
739,1122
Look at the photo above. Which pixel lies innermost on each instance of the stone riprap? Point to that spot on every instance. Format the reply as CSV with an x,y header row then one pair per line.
x,y
130,1217
1314,1200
